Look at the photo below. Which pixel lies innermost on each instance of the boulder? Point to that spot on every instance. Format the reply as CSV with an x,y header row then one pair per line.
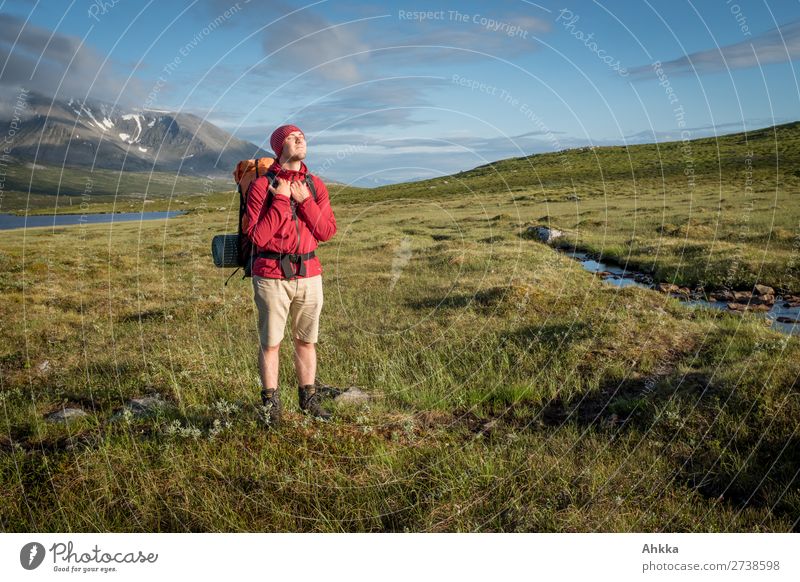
x,y
667,287
543,233
65,415
763,299
763,290
724,296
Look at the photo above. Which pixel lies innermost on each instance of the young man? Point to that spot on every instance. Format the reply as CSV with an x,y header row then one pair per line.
x,y
287,274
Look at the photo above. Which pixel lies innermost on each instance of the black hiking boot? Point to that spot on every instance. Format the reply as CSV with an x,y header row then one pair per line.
x,y
326,390
271,399
311,401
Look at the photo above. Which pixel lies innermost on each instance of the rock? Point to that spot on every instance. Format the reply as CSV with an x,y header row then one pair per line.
x,y
784,319
352,395
141,407
745,307
723,296
543,233
65,415
685,291
667,287
763,290
603,274
740,296
43,367
764,299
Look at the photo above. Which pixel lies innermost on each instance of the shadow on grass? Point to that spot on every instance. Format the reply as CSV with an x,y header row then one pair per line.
x,y
752,464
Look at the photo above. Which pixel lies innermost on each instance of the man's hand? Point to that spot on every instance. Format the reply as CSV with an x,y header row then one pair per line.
x,y
282,187
299,191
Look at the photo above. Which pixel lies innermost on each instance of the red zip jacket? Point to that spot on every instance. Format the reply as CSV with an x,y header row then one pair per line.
x,y
273,229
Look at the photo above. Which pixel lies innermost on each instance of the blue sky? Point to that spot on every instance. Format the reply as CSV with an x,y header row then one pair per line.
x,y
394,91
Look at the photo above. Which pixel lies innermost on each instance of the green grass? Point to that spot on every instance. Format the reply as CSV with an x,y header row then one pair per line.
x,y
513,391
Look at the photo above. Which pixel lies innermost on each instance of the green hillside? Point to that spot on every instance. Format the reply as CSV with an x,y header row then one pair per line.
x,y
721,212
775,159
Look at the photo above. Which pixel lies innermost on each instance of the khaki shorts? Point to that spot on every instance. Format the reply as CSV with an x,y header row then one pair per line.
x,y
277,299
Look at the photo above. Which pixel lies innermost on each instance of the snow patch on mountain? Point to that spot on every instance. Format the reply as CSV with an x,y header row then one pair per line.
x,y
135,117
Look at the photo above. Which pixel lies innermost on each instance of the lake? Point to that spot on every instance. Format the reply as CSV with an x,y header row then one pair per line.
x,y
9,221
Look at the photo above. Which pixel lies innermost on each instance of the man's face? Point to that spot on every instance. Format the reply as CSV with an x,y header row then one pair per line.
x,y
294,147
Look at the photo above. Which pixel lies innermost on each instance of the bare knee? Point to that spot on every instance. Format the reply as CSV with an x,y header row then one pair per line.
x,y
302,344
271,349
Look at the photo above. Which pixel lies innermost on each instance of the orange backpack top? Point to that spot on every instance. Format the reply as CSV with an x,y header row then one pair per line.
x,y
246,171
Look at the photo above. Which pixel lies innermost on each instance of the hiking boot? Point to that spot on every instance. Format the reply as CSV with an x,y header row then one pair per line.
x,y
326,390
311,401
271,399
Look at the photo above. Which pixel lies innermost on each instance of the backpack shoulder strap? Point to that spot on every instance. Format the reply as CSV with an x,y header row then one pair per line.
x,y
310,184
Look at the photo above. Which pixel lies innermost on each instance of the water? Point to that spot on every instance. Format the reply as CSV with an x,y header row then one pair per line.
x,y
621,277
9,221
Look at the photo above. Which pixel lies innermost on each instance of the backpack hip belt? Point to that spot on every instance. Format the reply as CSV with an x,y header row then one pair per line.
x,y
286,259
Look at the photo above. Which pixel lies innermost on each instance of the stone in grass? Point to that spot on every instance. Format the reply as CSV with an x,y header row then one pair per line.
x,y
543,234
65,415
141,407
352,395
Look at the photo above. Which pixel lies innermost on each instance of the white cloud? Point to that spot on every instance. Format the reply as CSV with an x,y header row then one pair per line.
x,y
774,46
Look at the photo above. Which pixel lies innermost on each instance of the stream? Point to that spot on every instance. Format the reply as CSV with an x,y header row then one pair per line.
x,y
621,277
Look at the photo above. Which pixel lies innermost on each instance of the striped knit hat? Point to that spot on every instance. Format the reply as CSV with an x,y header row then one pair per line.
x,y
279,135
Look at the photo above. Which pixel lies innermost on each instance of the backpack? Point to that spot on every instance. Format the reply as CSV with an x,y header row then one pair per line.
x,y
236,250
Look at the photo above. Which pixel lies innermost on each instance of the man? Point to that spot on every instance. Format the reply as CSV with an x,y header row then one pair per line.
x,y
287,274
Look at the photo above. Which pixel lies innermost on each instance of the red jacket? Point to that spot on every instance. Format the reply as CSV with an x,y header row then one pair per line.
x,y
273,229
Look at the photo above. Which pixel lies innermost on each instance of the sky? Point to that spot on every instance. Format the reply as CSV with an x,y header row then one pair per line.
x,y
389,92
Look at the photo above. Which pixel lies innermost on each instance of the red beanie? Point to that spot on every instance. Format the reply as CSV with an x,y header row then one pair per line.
x,y
279,135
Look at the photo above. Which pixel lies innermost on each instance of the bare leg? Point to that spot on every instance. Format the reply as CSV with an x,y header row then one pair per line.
x,y
268,366
305,361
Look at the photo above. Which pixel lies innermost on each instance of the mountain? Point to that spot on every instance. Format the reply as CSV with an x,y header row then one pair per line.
x,y
91,133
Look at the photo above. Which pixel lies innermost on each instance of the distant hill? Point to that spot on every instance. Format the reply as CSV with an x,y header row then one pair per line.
x,y
766,155
92,133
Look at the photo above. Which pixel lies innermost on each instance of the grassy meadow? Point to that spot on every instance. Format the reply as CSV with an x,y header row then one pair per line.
x,y
510,389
